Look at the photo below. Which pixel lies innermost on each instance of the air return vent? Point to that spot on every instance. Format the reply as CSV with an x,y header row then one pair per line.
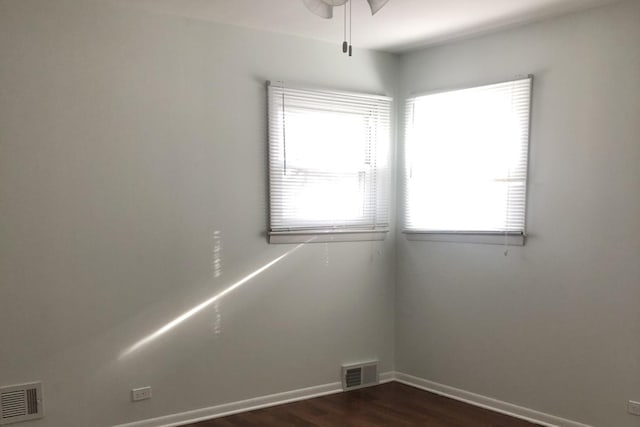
x,y
20,403
360,375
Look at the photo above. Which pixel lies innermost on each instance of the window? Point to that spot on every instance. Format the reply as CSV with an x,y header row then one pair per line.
x,y
328,165
466,164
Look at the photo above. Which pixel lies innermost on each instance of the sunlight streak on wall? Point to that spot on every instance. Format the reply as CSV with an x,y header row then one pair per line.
x,y
186,315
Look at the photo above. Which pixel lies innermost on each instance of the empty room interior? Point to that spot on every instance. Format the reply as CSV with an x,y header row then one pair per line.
x,y
209,207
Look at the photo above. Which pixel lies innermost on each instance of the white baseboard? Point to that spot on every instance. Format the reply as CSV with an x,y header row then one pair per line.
x,y
245,405
322,390
487,402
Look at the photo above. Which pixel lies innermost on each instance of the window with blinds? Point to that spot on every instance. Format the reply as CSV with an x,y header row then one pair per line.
x,y
329,158
466,154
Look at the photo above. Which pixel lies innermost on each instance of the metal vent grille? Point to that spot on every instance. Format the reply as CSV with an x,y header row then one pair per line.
x,y
353,377
360,375
20,403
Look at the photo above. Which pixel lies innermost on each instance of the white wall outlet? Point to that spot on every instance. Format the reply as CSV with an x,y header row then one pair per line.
x,y
633,408
141,393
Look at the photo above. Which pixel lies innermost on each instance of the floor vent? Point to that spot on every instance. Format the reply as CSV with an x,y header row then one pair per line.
x,y
359,375
20,403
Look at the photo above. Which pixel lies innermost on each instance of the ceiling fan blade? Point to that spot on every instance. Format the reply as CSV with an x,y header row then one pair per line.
x,y
320,8
376,5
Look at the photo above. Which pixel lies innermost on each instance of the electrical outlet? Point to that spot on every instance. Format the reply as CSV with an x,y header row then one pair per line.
x,y
141,393
633,408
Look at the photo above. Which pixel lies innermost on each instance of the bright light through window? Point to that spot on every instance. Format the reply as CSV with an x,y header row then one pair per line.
x,y
328,174
466,159
328,158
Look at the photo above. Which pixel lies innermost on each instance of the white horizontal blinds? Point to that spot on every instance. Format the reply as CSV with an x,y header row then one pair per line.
x,y
328,160
466,159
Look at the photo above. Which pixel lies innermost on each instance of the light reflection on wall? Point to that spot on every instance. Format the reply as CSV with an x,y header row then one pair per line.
x,y
217,272
217,254
326,255
193,311
217,319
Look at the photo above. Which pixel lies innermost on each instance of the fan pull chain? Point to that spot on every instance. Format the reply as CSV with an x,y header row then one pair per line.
x,y
344,43
350,27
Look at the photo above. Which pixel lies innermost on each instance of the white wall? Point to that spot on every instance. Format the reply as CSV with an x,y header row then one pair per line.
x,y
555,325
126,141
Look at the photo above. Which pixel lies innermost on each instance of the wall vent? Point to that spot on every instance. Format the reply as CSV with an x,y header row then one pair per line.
x,y
359,375
21,402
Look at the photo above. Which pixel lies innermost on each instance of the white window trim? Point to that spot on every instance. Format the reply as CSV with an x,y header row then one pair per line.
x,y
488,238
327,236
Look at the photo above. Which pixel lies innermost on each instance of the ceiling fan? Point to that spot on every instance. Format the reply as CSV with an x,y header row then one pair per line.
x,y
324,9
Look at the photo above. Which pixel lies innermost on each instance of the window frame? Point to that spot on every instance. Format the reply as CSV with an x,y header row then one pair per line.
x,y
495,237
347,230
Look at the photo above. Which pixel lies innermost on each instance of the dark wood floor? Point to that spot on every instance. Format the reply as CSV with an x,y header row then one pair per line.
x,y
392,404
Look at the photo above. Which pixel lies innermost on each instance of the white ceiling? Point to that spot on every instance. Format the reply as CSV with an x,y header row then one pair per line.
x,y
401,25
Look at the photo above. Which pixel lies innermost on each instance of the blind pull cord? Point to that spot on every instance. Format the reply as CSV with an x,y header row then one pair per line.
x,y
284,135
506,220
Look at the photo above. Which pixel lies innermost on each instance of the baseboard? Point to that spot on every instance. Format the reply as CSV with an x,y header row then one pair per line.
x,y
487,402
217,411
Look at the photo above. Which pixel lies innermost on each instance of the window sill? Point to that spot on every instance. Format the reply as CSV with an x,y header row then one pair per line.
x,y
511,239
326,236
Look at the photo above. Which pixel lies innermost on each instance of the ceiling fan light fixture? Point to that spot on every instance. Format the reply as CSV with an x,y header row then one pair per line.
x,y
319,8
335,2
324,9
